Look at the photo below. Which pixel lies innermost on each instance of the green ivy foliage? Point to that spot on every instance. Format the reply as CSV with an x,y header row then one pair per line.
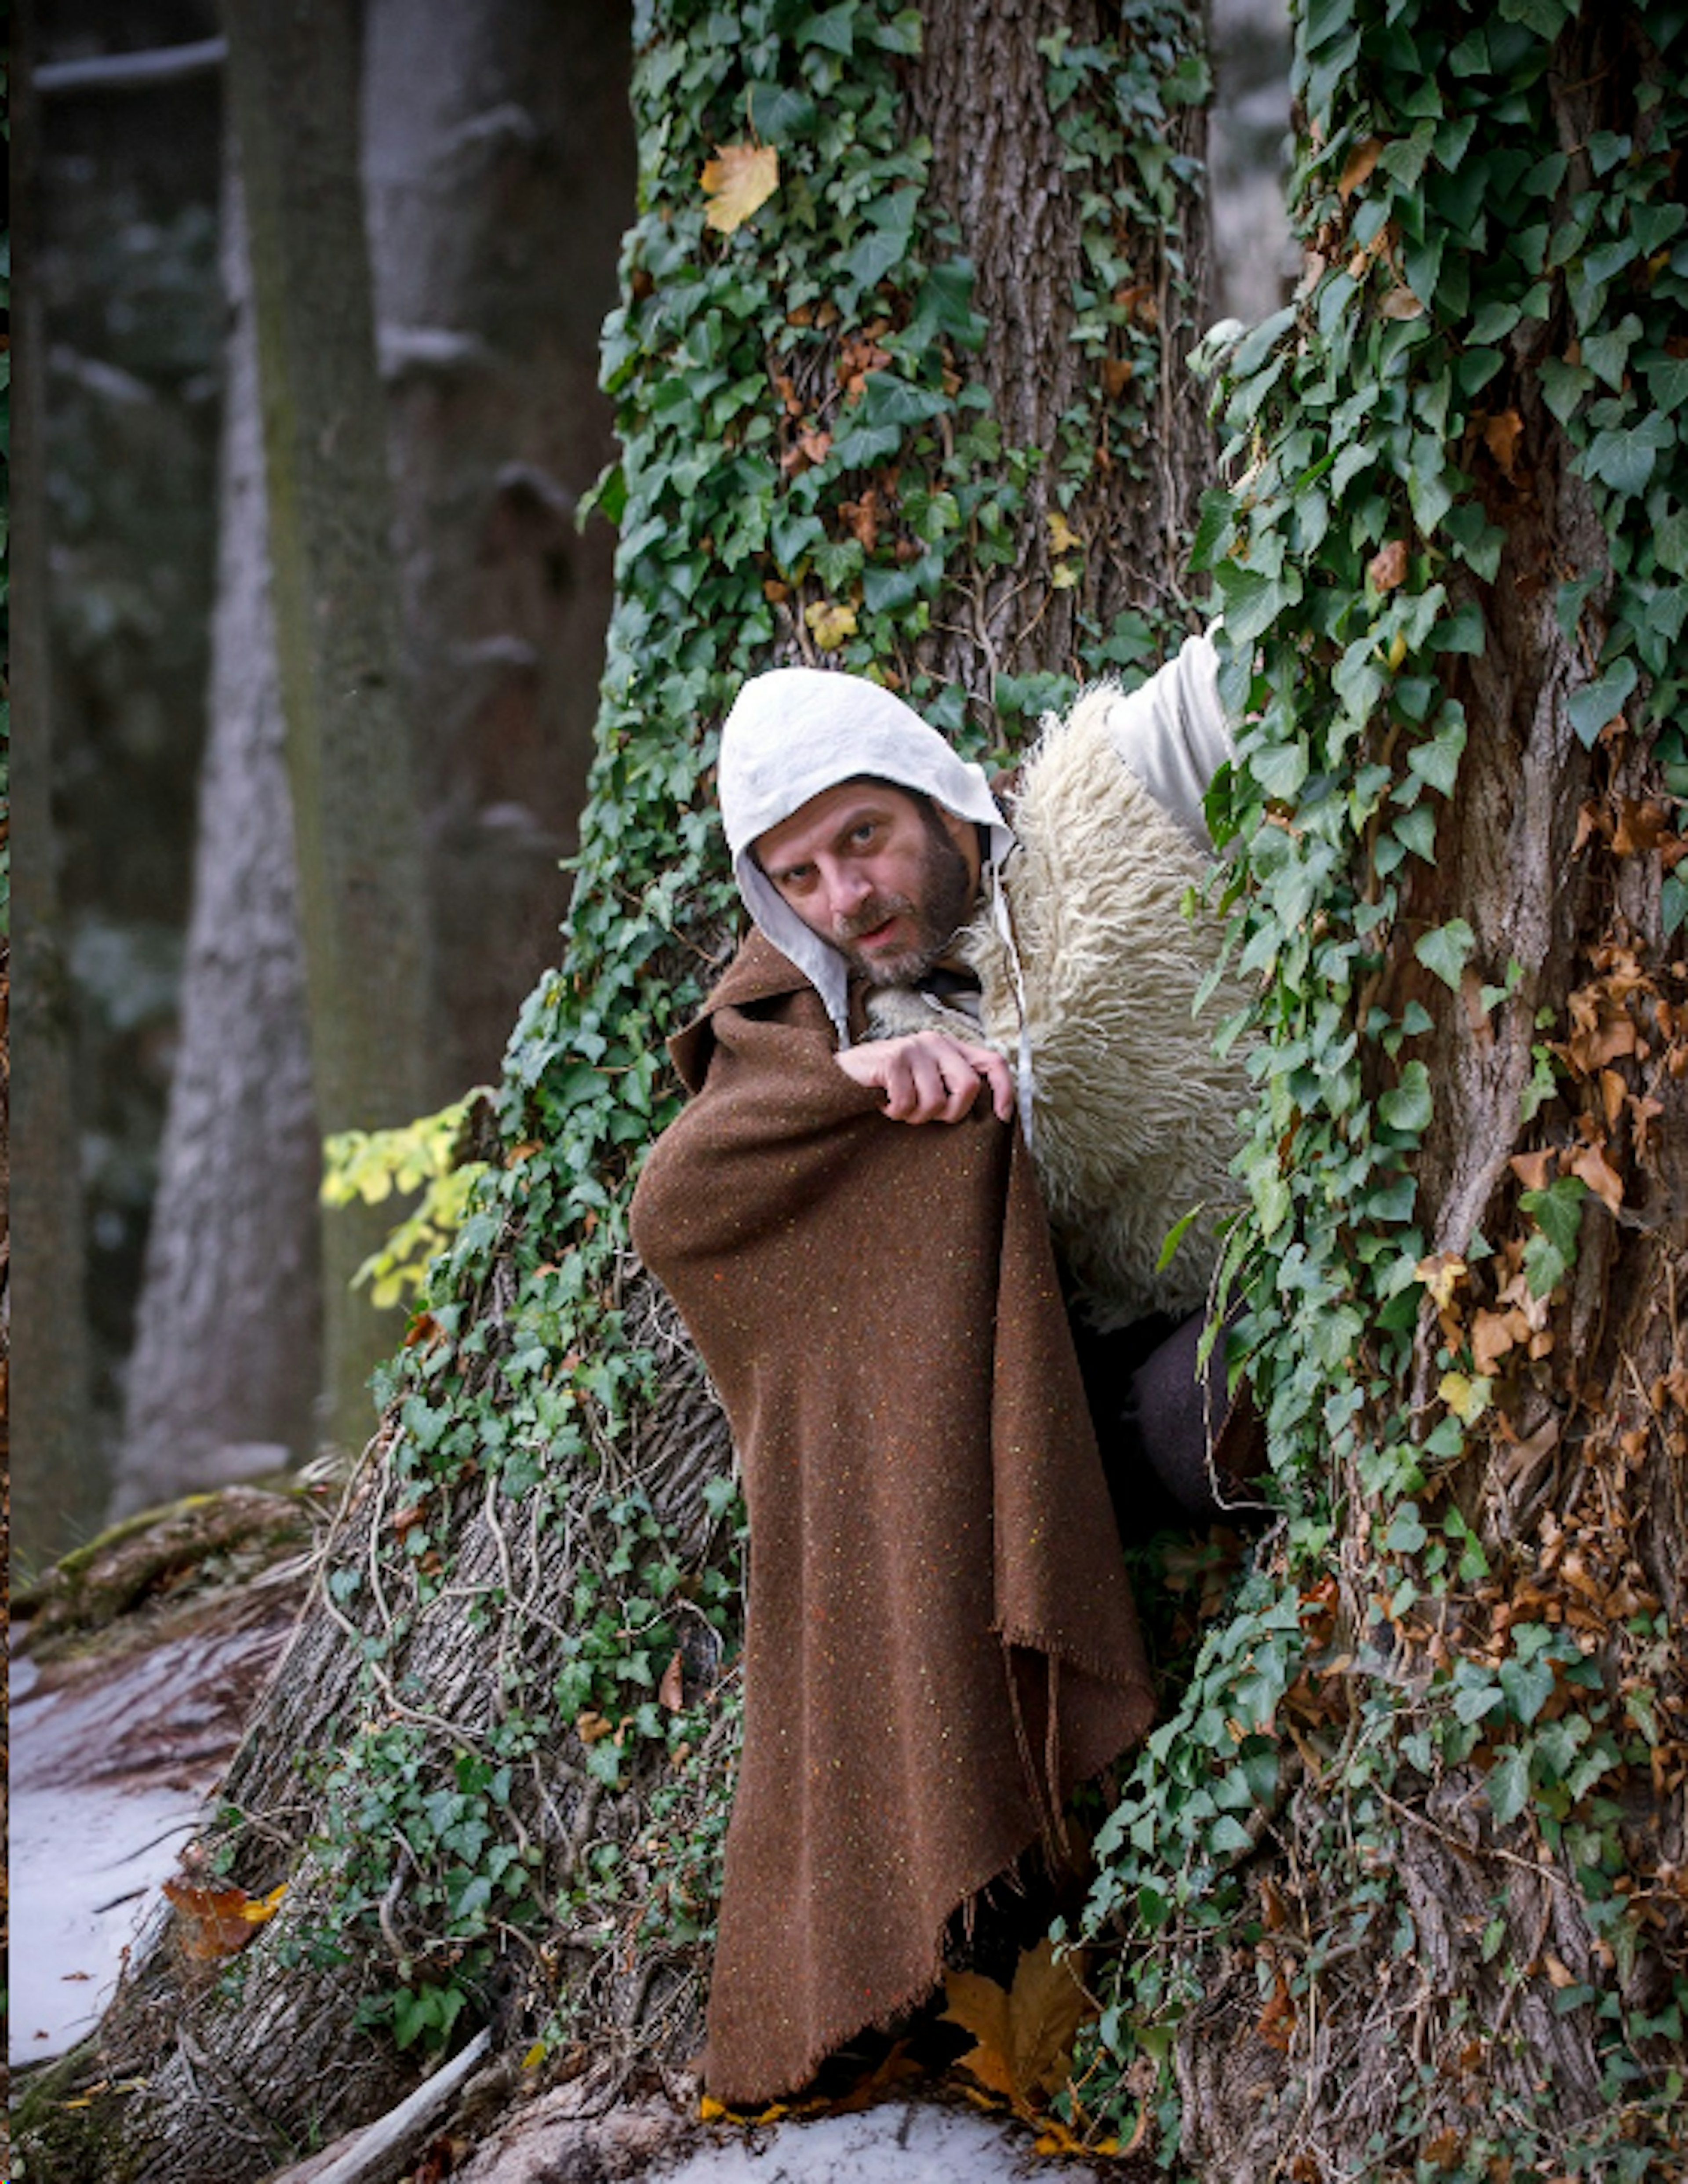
x,y
1470,277
765,380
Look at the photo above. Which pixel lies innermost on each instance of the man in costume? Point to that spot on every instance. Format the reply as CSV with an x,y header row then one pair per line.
x,y
949,1087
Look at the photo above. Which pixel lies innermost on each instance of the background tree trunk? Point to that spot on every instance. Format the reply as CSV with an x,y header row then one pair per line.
x,y
497,172
533,1460
1000,159
224,1374
57,1491
495,184
292,79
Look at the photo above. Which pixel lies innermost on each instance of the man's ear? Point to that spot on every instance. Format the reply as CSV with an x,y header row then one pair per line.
x,y
961,830
964,833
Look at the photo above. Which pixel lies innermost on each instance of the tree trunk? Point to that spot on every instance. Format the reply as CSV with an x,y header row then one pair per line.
x,y
494,195
1451,1939
292,76
496,177
225,1372
59,1485
509,1683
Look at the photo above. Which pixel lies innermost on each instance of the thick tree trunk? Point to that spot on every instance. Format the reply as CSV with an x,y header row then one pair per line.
x,y
224,1373
292,76
497,172
59,1485
450,1619
1458,1944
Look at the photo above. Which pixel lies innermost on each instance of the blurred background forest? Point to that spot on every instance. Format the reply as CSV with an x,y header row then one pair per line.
x,y
497,172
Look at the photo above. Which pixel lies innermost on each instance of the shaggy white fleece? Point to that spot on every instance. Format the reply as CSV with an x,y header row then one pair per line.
x,y
1133,1116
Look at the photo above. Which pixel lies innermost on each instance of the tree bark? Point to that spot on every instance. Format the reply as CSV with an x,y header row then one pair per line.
x,y
224,1373
293,80
59,1484
981,93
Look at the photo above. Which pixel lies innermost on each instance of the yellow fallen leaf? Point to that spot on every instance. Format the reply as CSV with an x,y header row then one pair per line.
x,y
1062,537
739,178
1025,2036
831,621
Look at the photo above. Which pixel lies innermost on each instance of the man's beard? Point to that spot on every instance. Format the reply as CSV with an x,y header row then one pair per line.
x,y
946,894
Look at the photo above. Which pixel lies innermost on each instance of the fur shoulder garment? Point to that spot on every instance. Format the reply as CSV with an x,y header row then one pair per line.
x,y
1132,1115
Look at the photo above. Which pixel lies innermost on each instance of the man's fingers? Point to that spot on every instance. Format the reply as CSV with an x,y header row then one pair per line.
x,y
929,1077
995,1072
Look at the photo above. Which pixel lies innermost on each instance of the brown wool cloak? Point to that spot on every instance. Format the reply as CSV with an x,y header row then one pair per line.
x,y
933,1552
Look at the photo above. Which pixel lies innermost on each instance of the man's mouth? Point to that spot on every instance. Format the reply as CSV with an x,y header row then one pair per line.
x,y
860,934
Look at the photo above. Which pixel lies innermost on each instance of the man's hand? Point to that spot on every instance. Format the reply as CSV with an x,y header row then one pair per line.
x,y
928,1077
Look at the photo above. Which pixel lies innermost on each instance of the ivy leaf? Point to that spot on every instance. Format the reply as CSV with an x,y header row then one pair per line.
x,y
778,112
1558,1212
1508,1786
739,178
1624,456
878,252
1447,950
1408,1105
834,28
1597,702
1175,1236
1529,1686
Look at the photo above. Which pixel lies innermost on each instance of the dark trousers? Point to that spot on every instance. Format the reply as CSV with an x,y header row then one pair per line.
x,y
1158,1421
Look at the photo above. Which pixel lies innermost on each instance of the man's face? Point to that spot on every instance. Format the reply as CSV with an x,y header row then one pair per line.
x,y
866,867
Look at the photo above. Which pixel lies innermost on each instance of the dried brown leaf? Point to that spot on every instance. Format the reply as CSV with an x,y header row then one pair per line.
x,y
1533,1169
218,1922
1388,566
1591,1163
1357,168
1025,2036
1501,436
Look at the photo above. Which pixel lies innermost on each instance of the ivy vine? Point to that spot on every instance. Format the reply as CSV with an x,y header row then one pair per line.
x,y
1466,270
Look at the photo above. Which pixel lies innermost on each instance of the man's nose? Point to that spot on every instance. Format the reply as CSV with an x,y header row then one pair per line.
x,y
847,888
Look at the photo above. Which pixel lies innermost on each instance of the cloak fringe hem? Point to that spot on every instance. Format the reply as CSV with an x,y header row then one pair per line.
x,y
911,1998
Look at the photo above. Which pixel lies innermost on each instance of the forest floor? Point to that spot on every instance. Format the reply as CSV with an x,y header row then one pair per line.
x,y
133,1669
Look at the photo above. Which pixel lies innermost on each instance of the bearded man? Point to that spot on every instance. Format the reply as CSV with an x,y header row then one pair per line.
x,y
948,1103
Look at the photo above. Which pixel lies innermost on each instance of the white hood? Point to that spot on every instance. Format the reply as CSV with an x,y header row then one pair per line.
x,y
796,731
